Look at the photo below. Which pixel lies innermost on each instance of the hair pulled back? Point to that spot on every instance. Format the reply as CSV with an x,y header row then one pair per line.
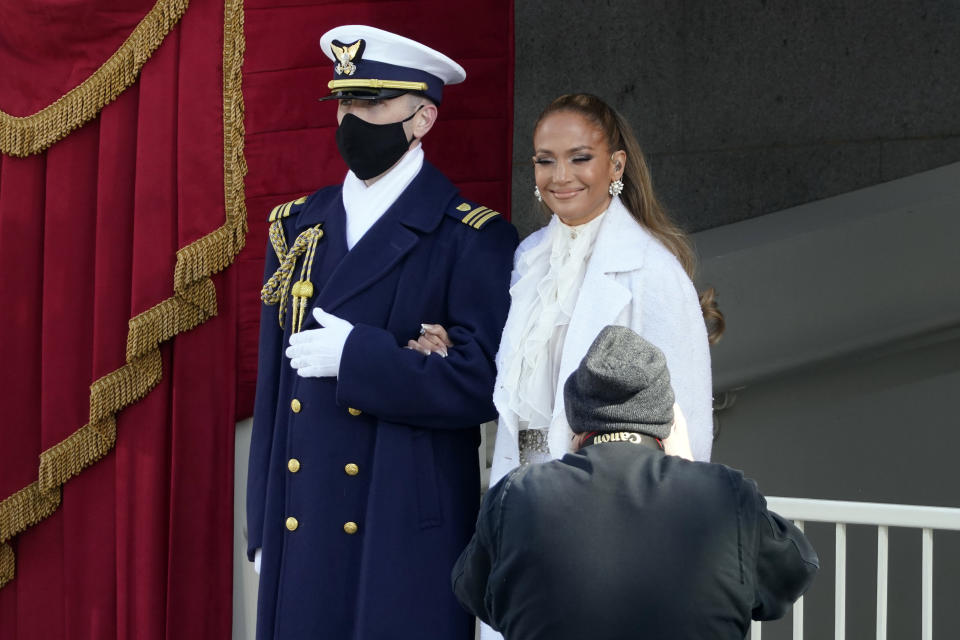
x,y
638,196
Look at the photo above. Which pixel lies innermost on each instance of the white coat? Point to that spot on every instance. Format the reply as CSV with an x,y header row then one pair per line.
x,y
631,280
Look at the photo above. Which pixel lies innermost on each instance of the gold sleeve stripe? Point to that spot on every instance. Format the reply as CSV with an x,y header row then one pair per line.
x,y
484,219
473,215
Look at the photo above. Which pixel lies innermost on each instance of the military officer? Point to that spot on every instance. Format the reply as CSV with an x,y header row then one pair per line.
x,y
363,482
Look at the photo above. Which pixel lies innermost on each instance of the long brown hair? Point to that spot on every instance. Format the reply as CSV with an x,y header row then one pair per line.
x,y
638,195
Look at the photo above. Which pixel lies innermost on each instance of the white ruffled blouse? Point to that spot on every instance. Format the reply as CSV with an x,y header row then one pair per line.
x,y
546,296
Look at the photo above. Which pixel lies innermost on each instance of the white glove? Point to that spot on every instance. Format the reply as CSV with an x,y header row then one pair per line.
x,y
316,353
257,558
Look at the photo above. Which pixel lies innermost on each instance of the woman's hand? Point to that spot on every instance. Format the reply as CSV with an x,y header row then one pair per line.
x,y
678,442
433,339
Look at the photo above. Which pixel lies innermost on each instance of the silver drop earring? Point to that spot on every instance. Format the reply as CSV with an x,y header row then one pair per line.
x,y
536,194
616,187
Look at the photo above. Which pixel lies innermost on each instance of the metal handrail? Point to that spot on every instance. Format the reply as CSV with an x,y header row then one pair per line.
x,y
882,516
869,513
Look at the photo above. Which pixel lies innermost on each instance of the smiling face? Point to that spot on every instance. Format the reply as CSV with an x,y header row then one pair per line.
x,y
574,166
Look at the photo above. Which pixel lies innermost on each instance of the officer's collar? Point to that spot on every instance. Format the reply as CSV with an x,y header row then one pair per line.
x,y
421,206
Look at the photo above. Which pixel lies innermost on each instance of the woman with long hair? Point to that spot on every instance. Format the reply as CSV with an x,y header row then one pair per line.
x,y
609,255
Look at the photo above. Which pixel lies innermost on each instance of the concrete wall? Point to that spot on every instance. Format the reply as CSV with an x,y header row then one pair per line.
x,y
838,376
750,107
875,428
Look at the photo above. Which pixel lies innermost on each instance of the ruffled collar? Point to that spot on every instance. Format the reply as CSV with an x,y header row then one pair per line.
x,y
545,296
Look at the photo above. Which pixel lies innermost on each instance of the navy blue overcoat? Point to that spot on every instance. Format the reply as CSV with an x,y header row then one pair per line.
x,y
363,489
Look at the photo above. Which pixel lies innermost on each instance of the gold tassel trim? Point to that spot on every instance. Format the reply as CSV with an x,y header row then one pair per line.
x,y
28,135
194,301
7,565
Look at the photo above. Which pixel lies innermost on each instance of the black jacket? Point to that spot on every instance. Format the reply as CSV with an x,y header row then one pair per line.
x,y
622,541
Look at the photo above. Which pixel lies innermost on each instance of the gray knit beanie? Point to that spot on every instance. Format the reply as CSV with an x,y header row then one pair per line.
x,y
622,384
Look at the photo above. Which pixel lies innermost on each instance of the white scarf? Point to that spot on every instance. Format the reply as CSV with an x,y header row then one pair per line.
x,y
365,205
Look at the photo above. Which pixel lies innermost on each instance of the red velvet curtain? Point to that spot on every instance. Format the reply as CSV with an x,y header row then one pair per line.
x,y
90,231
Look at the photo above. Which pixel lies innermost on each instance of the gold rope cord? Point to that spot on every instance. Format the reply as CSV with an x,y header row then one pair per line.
x,y
194,301
276,288
28,135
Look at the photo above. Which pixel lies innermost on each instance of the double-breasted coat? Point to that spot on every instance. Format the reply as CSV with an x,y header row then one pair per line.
x,y
363,489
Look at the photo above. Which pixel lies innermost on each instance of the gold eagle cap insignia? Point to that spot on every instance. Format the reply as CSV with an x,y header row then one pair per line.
x,y
347,55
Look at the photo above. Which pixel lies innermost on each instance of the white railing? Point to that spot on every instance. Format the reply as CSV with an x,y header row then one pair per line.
x,y
881,516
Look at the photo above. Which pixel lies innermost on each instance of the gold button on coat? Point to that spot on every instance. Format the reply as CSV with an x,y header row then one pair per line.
x,y
293,465
352,469
354,412
292,524
350,527
295,405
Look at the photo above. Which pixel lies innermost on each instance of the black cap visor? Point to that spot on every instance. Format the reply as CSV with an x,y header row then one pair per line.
x,y
364,94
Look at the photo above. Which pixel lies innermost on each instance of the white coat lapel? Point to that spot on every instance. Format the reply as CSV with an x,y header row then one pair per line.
x,y
620,247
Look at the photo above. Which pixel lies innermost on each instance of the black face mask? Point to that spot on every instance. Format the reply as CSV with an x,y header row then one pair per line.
x,y
370,149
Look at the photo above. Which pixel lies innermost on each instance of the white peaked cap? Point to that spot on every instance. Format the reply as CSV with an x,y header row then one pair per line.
x,y
389,48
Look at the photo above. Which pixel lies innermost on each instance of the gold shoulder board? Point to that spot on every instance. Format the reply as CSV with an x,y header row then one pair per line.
x,y
475,216
281,211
